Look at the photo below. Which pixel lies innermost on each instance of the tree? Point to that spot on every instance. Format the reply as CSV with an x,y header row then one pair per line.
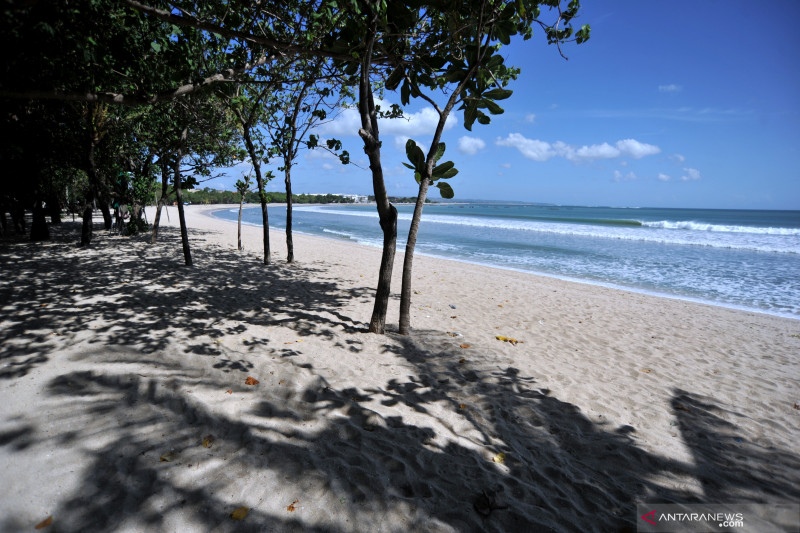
x,y
291,112
247,106
470,71
242,187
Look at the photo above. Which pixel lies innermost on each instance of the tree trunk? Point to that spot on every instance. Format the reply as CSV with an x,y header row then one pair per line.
x,y
4,221
386,211
164,190
18,218
289,242
187,252
86,228
262,195
54,209
107,221
408,259
39,230
239,233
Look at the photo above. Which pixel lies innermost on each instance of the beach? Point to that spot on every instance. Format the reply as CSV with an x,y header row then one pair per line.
x,y
518,403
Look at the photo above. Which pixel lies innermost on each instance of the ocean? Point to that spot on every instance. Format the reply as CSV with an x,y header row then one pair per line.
x,y
734,258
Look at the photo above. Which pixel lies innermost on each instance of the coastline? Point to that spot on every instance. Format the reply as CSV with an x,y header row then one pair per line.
x,y
571,279
610,398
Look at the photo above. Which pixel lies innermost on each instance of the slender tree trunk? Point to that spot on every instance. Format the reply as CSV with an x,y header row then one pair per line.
x,y
289,242
18,218
408,259
54,209
239,233
39,230
107,221
4,221
86,228
187,252
262,195
387,213
164,190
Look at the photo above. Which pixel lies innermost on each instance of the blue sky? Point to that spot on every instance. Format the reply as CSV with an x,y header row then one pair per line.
x,y
669,104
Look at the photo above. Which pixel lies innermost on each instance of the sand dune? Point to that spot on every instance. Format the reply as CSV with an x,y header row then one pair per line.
x,y
124,403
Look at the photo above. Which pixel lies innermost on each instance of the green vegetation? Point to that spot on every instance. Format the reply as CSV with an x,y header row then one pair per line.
x,y
100,98
209,196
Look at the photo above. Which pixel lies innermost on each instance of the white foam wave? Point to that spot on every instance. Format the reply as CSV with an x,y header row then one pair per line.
x,y
758,241
703,226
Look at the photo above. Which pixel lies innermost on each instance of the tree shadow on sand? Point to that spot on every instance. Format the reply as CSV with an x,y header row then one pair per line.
x,y
414,454
125,292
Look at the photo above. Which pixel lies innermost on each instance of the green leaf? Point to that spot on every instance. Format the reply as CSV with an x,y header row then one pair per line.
x,y
502,35
395,78
445,190
408,166
156,47
498,94
405,93
439,153
494,109
470,114
448,174
415,155
483,119
441,169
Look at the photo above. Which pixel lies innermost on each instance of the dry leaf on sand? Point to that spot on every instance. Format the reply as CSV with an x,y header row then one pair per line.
x,y
291,507
44,523
251,381
208,441
168,456
500,458
240,513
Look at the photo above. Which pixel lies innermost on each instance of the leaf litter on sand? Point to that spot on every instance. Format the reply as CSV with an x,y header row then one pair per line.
x,y
208,441
44,523
168,456
500,458
507,339
291,507
240,513
251,381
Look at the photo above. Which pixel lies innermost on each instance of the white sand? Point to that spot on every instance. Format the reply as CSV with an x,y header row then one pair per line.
x,y
114,356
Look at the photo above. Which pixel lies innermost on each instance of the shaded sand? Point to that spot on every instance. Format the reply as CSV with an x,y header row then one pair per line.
x,y
116,357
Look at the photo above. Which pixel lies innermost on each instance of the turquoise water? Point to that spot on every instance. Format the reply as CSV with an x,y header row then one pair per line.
x,y
734,258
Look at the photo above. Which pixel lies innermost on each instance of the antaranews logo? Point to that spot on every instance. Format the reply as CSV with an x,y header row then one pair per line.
x,y
696,517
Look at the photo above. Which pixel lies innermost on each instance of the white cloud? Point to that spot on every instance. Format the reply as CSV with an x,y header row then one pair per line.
x,y
530,148
692,174
530,117
678,158
505,165
619,176
542,151
635,149
400,142
663,177
470,145
422,122
671,88
595,151
327,166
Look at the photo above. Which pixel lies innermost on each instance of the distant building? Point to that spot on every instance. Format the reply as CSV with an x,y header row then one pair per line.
x,y
357,198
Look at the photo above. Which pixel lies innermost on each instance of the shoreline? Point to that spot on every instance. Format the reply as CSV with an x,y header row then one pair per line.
x,y
209,212
518,402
